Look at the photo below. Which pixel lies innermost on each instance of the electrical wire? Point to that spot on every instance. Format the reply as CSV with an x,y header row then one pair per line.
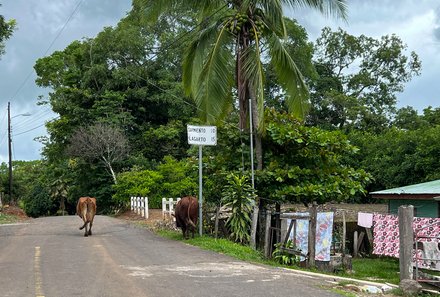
x,y
177,42
48,48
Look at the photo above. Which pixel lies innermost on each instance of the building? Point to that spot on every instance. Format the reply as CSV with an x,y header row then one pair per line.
x,y
425,198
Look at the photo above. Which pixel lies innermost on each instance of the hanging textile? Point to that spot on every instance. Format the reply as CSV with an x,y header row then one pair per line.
x,y
386,235
365,219
324,233
386,238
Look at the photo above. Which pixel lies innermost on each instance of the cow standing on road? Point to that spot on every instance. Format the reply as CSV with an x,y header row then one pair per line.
x,y
186,215
86,210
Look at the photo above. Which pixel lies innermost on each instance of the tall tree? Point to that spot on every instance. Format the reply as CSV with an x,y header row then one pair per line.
x,y
100,142
232,38
359,79
226,52
6,30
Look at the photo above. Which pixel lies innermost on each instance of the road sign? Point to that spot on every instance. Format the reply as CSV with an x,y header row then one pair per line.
x,y
202,135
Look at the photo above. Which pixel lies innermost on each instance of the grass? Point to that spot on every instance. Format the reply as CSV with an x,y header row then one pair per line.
x,y
7,219
383,270
375,269
220,245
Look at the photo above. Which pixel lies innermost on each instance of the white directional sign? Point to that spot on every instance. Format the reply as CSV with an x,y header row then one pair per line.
x,y
202,135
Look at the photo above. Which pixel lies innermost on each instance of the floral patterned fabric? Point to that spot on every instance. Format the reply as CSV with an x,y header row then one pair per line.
x,y
324,231
386,236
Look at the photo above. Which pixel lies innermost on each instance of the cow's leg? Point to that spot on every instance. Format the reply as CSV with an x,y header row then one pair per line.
x,y
85,232
90,227
185,231
85,223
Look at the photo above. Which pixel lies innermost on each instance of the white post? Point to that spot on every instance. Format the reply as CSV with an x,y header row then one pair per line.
x,y
171,208
163,207
138,205
146,207
143,206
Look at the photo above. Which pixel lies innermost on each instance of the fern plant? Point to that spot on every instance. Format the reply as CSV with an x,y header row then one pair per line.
x,y
282,256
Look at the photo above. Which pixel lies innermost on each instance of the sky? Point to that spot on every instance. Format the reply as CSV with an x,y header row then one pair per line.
x,y
45,26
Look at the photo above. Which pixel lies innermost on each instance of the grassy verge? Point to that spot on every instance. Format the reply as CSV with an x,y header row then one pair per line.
x,y
375,269
220,245
383,270
7,219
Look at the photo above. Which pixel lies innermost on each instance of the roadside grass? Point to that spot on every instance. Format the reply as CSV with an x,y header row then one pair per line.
x,y
383,270
220,245
7,219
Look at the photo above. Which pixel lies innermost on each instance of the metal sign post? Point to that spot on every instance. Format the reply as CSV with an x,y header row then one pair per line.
x,y
201,135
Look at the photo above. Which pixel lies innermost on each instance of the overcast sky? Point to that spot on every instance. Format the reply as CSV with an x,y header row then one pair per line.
x,y
48,25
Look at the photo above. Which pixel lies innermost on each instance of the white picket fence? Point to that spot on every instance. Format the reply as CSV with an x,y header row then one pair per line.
x,y
139,205
168,205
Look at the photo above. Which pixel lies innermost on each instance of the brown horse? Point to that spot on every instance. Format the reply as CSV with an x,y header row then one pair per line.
x,y
86,210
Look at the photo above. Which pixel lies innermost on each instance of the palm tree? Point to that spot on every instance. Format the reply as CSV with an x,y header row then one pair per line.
x,y
227,51
234,38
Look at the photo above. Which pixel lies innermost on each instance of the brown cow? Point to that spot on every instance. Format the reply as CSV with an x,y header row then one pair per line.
x,y
186,215
86,210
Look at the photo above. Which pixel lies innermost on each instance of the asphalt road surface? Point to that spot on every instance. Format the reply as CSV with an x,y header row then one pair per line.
x,y
50,257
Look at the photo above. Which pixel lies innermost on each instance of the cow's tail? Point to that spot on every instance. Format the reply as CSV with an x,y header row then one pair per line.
x,y
189,217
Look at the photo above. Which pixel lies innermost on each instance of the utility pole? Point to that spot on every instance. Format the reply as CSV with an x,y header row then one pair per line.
x,y
11,199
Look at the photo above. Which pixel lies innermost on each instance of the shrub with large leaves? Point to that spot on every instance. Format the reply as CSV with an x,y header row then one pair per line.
x,y
239,195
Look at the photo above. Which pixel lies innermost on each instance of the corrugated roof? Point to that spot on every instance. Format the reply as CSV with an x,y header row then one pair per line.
x,y
432,187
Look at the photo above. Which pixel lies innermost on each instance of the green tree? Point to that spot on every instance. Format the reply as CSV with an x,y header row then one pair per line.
x,y
117,79
359,79
6,30
397,157
225,56
307,164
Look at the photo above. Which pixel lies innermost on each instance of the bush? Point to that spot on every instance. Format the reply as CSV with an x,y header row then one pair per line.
x,y
138,183
240,196
38,202
178,178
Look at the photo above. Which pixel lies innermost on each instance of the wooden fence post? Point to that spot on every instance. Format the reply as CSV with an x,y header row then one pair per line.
x,y
312,235
406,241
267,233
355,244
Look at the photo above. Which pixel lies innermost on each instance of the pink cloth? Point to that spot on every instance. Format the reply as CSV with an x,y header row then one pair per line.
x,y
365,219
386,234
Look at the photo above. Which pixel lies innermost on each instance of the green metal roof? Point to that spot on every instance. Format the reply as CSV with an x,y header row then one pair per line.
x,y
432,187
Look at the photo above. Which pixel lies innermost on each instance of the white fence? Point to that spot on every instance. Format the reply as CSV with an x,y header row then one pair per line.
x,y
139,205
168,205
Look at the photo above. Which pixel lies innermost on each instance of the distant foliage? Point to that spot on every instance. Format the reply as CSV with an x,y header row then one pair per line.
x,y
137,183
38,202
172,178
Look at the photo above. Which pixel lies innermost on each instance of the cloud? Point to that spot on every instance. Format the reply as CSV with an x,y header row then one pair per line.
x,y
416,22
39,24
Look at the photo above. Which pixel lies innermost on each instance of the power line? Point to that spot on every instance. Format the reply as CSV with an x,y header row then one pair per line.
x,y
49,47
177,42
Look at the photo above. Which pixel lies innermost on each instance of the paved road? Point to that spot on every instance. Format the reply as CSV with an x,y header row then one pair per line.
x,y
50,257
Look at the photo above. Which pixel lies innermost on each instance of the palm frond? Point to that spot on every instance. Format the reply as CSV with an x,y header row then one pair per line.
x,y
336,8
289,77
273,15
254,73
213,91
195,54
